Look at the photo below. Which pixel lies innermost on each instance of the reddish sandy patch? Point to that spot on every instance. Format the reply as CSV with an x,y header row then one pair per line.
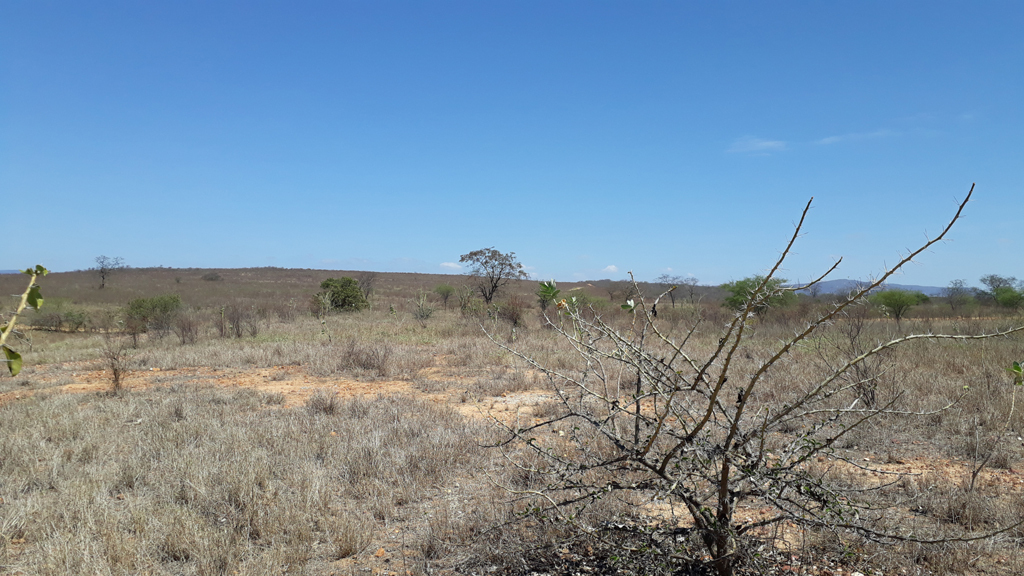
x,y
290,381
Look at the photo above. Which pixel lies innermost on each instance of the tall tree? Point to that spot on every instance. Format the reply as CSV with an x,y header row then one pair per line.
x,y
766,293
105,266
957,294
896,303
493,270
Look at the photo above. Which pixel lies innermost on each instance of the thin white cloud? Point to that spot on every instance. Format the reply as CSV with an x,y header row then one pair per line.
x,y
757,145
610,268
854,136
450,266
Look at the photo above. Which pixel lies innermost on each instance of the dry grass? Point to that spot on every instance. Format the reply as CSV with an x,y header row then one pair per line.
x,y
197,480
193,480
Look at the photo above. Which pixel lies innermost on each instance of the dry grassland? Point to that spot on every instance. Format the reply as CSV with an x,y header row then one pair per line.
x,y
358,445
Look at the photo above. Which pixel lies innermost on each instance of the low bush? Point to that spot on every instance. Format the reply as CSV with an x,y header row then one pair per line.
x,y
344,293
156,313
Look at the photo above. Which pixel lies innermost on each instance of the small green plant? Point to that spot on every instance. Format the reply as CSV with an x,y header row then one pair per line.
x,y
547,294
423,310
1018,373
445,291
466,300
31,298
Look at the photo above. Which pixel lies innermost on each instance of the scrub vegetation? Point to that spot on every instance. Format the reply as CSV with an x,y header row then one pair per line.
x,y
256,428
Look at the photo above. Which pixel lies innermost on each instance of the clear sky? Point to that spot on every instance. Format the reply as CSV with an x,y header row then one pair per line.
x,y
591,138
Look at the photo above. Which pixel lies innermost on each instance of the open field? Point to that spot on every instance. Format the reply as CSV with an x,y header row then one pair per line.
x,y
357,444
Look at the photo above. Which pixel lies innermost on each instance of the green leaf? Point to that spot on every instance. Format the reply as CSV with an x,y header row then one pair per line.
x,y
13,360
1018,373
38,271
548,291
628,306
35,298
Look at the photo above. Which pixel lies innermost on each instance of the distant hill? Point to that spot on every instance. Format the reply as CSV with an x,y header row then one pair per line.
x,y
9,271
846,286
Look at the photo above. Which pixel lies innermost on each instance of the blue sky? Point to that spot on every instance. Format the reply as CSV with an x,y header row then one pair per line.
x,y
591,138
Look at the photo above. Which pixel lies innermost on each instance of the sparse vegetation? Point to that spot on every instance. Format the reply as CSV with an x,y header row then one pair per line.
x,y
299,437
645,417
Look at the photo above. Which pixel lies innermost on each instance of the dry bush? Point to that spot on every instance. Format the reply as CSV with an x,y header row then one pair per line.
x,y
513,310
323,402
117,356
187,327
707,427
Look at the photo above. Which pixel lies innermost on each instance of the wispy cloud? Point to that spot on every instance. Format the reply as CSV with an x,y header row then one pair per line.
x,y
610,268
450,266
752,144
855,136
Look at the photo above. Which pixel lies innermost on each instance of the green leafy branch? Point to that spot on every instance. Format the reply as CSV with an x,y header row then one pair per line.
x,y
31,298
1018,373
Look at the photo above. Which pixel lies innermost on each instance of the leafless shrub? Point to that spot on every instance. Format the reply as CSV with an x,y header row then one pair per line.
x,y
117,355
186,327
253,320
367,284
236,318
648,416
513,310
286,311
376,357
848,338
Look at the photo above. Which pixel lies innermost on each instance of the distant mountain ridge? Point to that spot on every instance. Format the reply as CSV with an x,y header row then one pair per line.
x,y
9,271
846,286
